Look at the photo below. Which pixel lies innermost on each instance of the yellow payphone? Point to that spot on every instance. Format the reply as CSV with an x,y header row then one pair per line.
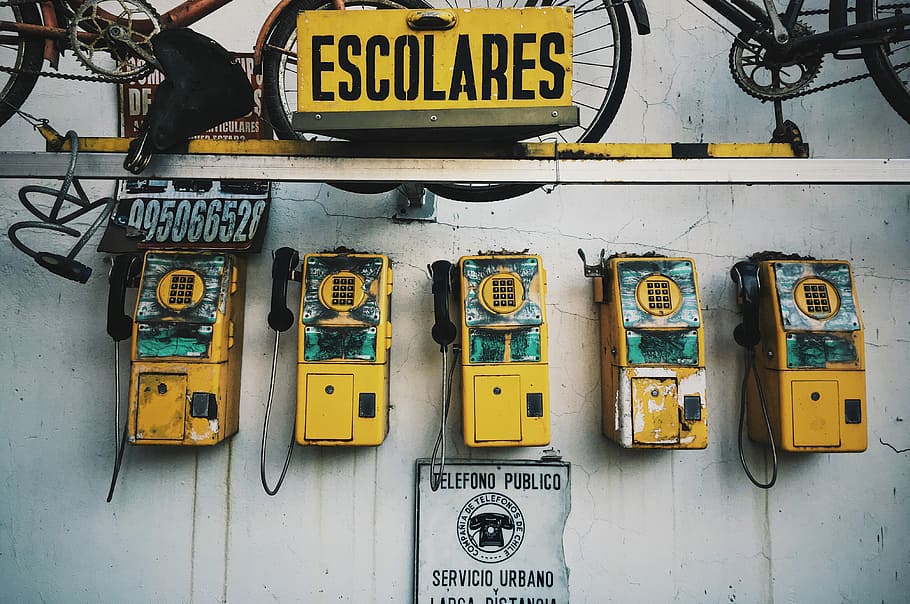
x,y
344,336
186,349
186,335
652,362
505,379
802,326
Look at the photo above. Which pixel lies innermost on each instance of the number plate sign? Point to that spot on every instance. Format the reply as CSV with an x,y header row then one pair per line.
x,y
435,74
188,214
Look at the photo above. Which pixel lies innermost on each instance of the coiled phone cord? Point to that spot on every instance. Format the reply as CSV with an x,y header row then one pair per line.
x,y
64,266
753,369
438,459
265,429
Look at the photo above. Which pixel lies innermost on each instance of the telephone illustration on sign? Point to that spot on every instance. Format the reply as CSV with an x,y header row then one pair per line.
x,y
652,361
804,387
489,526
186,336
343,341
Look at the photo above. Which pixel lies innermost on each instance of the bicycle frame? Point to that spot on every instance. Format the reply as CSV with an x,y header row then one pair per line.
x,y
753,22
54,17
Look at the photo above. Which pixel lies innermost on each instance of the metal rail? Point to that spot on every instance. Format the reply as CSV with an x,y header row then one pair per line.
x,y
537,163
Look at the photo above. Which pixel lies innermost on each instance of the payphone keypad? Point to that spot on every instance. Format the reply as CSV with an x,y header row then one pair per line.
x,y
180,289
502,293
816,298
658,295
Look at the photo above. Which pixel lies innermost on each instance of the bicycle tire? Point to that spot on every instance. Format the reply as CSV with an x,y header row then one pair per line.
x,y
279,81
595,116
29,54
882,61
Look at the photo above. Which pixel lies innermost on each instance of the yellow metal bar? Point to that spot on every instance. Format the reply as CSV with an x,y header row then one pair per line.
x,y
459,150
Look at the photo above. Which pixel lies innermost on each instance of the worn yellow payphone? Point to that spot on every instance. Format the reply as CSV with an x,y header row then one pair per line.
x,y
186,349
343,343
343,350
652,362
505,378
802,327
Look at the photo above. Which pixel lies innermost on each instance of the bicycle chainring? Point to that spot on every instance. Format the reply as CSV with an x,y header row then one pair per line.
x,y
104,38
769,79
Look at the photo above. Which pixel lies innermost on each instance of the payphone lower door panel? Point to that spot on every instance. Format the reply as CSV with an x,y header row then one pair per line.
x,y
811,410
656,407
506,406
342,404
182,404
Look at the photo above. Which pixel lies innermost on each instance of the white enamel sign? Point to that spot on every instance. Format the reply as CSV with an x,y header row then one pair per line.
x,y
492,533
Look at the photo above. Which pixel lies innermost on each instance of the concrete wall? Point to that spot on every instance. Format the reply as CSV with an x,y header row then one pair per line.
x,y
196,526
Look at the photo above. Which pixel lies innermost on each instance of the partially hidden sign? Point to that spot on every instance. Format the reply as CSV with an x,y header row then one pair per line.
x,y
436,72
492,533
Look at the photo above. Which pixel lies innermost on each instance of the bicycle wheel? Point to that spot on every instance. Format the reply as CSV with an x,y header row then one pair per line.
x,y
279,74
18,52
889,64
601,60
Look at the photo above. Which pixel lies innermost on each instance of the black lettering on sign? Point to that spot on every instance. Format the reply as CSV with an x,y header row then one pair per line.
x,y
552,43
494,61
407,80
463,71
348,46
376,90
429,62
520,64
321,66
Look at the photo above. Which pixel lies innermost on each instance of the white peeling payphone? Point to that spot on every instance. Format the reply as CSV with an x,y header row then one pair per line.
x,y
652,361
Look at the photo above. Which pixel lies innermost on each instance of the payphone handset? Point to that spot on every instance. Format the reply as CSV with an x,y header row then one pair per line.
x,y
444,333
652,361
343,341
505,377
186,335
802,324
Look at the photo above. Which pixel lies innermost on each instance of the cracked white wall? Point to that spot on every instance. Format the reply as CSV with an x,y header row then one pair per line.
x,y
645,526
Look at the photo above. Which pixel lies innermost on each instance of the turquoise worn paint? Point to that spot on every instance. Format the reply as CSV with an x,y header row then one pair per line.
x,y
165,332
489,345
662,347
787,276
215,273
339,344
630,272
173,340
317,268
525,345
816,351
475,270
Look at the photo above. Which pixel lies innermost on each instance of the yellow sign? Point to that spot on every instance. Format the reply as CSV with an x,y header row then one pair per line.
x,y
403,62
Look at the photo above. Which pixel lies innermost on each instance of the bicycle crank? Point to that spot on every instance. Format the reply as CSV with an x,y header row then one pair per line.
x,y
767,78
113,38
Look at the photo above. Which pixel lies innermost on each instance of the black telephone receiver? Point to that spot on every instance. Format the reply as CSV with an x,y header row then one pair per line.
x,y
444,330
745,275
123,272
285,259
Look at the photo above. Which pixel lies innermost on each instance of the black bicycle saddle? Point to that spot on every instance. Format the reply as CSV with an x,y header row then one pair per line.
x,y
203,87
